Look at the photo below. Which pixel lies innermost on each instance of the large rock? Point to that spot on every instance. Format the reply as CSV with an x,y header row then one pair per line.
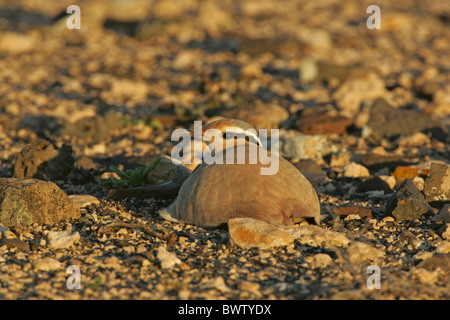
x,y
437,184
407,203
42,159
23,202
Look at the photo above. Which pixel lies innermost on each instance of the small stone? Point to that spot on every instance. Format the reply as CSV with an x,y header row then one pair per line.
x,y
417,139
418,182
360,252
248,286
444,214
249,233
83,200
425,276
16,43
251,70
408,172
61,239
437,183
390,180
24,202
319,260
323,124
46,264
308,165
167,259
355,90
443,247
304,147
353,210
340,160
354,170
316,236
15,243
407,203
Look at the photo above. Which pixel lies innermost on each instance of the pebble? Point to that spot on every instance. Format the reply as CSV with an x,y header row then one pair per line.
x,y
360,252
46,264
407,203
167,259
319,260
323,124
61,239
304,147
355,90
354,170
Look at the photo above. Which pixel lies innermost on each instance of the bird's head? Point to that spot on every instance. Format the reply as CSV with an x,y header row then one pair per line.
x,y
223,130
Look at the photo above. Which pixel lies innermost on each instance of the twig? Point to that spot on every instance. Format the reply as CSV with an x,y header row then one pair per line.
x,y
163,234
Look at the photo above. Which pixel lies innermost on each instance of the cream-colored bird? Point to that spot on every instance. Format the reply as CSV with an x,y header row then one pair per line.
x,y
215,193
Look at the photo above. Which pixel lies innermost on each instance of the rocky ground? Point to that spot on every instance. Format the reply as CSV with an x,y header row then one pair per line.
x,y
365,114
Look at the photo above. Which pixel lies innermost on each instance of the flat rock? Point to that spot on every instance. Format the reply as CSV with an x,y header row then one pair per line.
x,y
360,252
27,201
316,236
386,121
61,239
437,183
374,161
407,203
249,233
353,210
83,200
323,124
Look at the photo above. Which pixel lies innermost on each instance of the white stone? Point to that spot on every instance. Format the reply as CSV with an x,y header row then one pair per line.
x,y
166,258
61,239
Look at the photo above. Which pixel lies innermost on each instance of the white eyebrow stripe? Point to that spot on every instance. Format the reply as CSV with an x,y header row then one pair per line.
x,y
248,132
